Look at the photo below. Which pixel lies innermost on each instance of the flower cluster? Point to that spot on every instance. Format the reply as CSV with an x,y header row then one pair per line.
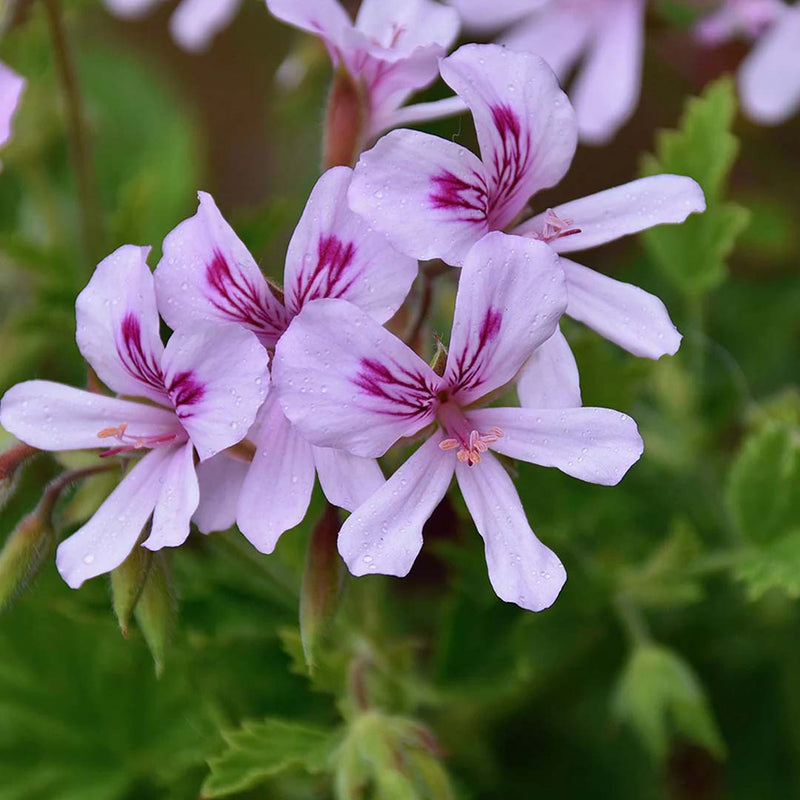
x,y
261,389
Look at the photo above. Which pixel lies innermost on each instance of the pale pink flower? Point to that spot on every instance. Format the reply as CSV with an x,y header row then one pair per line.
x,y
207,274
11,88
604,38
769,77
392,50
194,23
200,395
435,199
346,382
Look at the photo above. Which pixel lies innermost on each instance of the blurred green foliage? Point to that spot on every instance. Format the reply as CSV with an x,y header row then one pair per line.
x,y
669,666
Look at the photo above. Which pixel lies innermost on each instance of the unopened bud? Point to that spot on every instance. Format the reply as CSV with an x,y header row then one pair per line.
x,y
322,584
277,290
344,122
24,552
11,463
156,609
127,583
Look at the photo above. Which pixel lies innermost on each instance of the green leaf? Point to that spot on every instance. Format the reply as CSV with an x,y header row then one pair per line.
x,y
762,485
128,581
693,254
660,696
774,566
260,750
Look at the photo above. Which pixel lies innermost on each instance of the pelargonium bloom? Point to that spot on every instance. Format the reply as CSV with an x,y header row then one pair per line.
x,y
208,274
11,87
435,199
194,22
606,36
769,77
392,50
200,394
346,382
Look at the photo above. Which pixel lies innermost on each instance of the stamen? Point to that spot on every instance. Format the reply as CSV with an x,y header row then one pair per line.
x,y
470,452
555,227
129,442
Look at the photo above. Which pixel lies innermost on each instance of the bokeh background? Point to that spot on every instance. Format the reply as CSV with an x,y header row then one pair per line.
x,y
670,665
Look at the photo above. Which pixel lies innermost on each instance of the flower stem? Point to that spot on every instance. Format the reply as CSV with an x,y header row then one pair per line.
x,y
77,133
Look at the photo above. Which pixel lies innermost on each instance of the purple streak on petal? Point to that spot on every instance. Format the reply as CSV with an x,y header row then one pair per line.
x,y
401,387
185,390
139,363
469,199
330,276
469,363
511,162
238,299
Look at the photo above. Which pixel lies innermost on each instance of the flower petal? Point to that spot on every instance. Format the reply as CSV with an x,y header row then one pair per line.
x,y
428,195
177,501
525,124
521,569
277,490
52,416
195,22
624,314
324,18
107,539
333,254
593,444
118,325
550,378
346,382
220,480
384,535
208,274
11,87
557,34
510,298
480,16
621,211
347,480
769,78
217,379
606,90
408,24
130,8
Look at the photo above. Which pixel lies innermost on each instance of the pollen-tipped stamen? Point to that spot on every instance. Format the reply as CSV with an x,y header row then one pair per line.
x,y
129,442
470,452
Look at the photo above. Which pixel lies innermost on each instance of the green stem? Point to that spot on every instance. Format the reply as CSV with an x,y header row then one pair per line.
x,y
77,133
632,619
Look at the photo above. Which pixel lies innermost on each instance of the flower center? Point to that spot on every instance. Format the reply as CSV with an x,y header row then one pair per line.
x,y
470,451
555,227
128,442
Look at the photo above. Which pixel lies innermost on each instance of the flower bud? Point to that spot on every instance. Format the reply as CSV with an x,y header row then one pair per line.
x,y
11,462
24,553
322,583
127,583
439,360
344,122
156,609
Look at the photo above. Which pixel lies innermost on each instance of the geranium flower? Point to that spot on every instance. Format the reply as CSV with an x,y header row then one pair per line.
x,y
606,36
11,87
194,22
769,77
435,199
200,394
391,51
346,382
208,274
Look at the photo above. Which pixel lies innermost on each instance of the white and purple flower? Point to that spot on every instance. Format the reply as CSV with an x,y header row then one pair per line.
x,y
11,88
199,395
434,198
346,382
391,50
194,23
769,77
606,37
208,275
